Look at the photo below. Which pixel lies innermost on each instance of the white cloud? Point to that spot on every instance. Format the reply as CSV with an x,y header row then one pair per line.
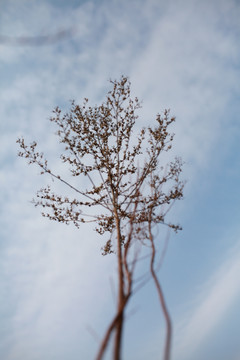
x,y
182,68
210,307
58,288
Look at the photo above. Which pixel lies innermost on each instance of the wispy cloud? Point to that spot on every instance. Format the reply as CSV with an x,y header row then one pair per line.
x,y
210,307
182,68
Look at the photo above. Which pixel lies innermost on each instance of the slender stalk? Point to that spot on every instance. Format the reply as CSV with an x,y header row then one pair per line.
x,y
168,339
121,296
107,336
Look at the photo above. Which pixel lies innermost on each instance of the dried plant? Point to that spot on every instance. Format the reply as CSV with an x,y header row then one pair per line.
x,y
130,190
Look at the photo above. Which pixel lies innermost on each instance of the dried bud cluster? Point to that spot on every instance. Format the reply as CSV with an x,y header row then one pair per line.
x,y
98,145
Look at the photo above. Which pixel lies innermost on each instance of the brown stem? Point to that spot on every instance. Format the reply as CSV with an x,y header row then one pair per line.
x,y
121,296
110,329
107,337
167,346
117,322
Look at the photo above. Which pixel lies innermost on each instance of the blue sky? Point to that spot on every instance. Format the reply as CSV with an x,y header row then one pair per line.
x,y
55,290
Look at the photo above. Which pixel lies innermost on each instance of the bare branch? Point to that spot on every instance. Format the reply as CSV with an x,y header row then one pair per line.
x,y
161,296
130,194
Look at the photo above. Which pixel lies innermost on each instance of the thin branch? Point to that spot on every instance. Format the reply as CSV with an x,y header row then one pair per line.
x,y
167,347
71,186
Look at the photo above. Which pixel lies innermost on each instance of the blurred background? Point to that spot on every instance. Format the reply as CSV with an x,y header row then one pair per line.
x,y
56,295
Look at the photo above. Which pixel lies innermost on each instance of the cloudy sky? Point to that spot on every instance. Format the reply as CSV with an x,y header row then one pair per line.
x,y
56,295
